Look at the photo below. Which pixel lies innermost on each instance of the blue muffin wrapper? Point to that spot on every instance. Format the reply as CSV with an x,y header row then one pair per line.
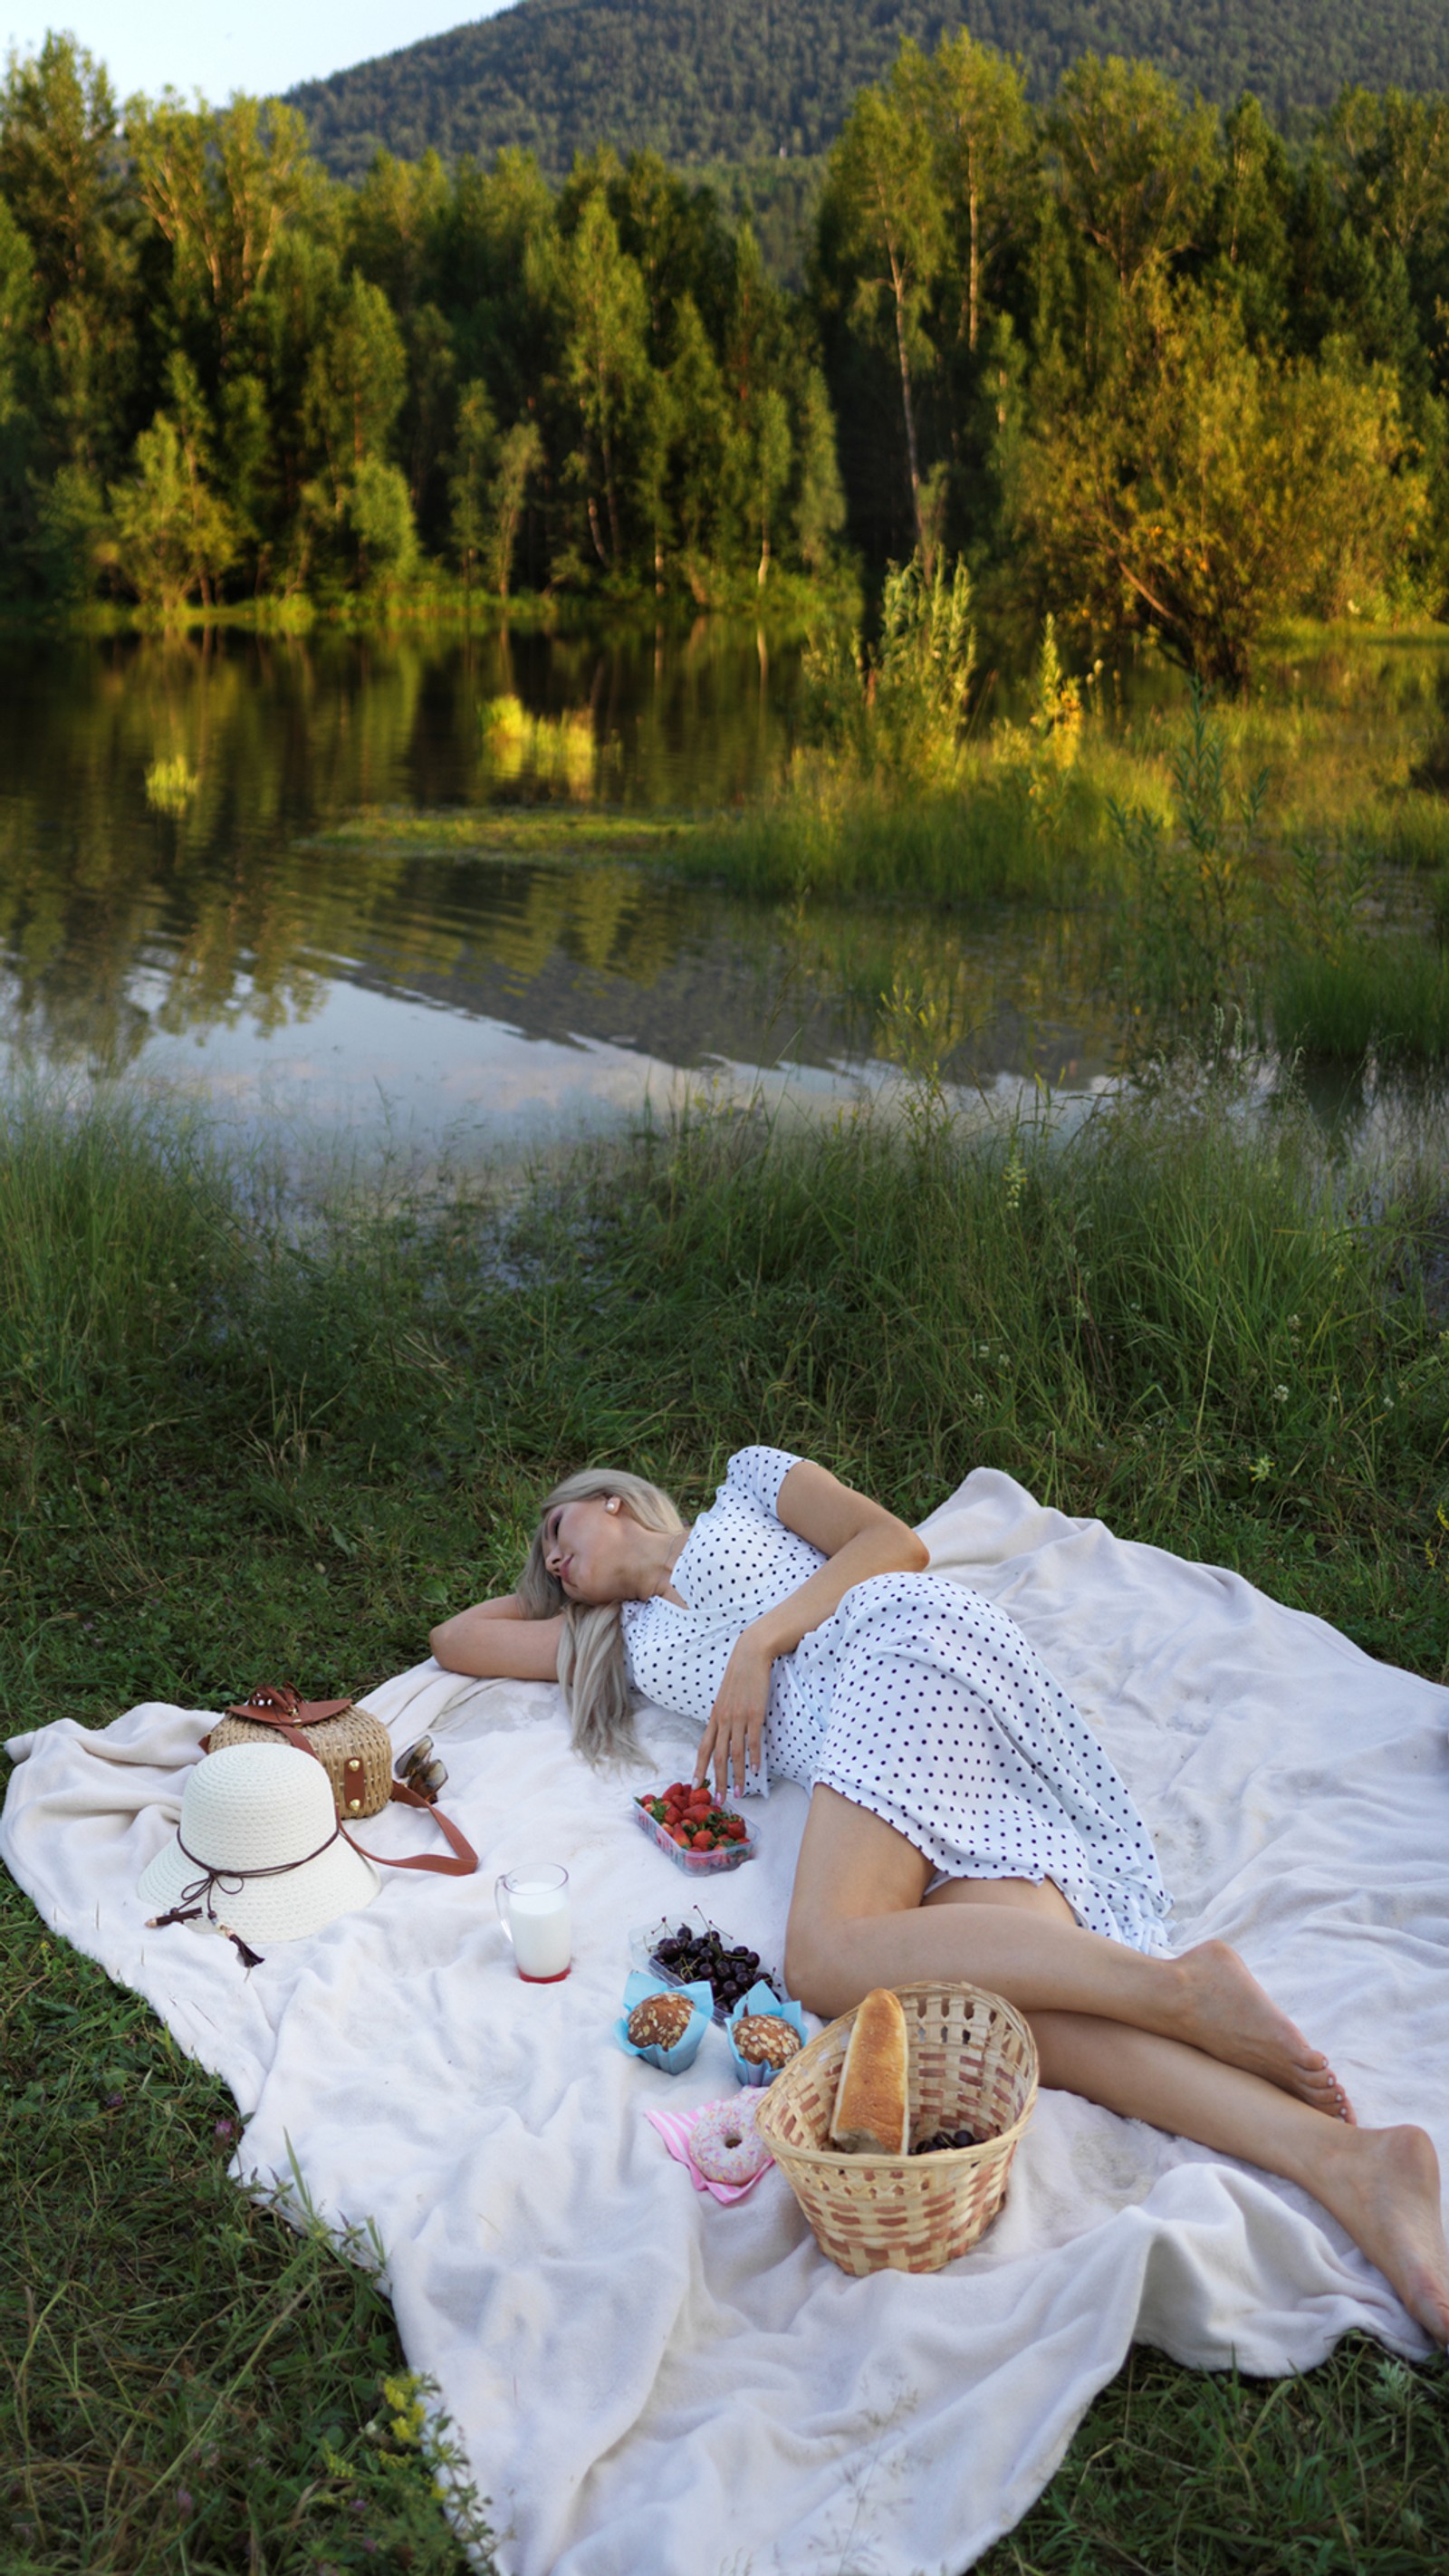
x,y
761,1999
675,2060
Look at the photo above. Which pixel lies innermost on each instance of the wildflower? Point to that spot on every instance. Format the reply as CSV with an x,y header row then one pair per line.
x,y
1260,1468
224,2130
185,2502
1280,1395
409,2413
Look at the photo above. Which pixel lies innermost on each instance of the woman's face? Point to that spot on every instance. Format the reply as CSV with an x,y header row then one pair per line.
x,y
586,1549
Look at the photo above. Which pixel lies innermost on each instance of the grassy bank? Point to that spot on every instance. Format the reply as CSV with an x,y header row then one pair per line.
x,y
1284,858
224,1433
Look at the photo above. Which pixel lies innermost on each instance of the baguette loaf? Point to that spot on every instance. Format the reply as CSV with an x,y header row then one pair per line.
x,y
872,2099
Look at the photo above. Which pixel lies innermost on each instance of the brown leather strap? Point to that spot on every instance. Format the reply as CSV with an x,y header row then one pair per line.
x,y
465,1859
277,1703
284,1726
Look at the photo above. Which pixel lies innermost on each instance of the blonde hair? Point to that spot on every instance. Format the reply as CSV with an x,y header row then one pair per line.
x,y
592,1668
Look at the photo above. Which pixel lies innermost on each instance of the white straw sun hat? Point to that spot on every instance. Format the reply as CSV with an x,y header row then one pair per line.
x,y
259,1848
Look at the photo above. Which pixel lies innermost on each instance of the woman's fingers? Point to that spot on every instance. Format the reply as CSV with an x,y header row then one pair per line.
x,y
728,1745
735,1734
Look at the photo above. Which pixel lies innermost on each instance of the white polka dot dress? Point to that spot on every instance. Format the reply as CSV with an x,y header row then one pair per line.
x,y
917,1700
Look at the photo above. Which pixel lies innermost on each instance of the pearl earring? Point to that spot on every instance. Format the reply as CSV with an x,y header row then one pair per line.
x,y
612,1504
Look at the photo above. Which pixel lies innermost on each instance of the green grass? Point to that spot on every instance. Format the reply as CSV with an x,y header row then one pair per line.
x,y
189,2386
239,1439
544,830
979,844
1410,831
1388,998
1342,2472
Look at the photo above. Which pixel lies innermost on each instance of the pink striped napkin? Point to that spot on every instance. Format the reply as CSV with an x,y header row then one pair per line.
x,y
676,2128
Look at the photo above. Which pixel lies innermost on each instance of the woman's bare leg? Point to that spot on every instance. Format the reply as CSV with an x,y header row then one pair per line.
x,y
1382,2185
857,1920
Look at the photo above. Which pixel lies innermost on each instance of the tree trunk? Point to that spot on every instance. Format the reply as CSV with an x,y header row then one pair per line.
x,y
974,271
908,408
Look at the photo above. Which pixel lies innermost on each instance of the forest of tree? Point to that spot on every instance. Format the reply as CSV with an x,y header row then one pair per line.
x,y
706,82
1135,361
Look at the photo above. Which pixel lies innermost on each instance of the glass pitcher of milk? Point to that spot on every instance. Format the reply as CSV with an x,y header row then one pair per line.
x,y
533,1908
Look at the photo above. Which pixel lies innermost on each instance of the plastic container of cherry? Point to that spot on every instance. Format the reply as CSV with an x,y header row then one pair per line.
x,y
686,1954
699,1837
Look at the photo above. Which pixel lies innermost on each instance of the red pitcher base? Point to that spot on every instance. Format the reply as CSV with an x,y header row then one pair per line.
x,y
543,1981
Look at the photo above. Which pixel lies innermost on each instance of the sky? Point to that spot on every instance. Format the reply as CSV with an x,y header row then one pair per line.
x,y
216,46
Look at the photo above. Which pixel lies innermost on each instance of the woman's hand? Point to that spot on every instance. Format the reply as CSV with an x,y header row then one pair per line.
x,y
735,1734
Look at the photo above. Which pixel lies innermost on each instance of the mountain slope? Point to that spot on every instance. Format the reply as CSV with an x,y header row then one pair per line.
x,y
732,80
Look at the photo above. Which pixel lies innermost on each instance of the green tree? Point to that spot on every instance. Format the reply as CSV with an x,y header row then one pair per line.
x,y
883,201
1137,166
379,512
1204,486
220,189
1390,154
61,169
170,536
394,224
973,104
468,479
771,457
520,454
62,174
17,305
357,378
820,505
605,365
1251,221
17,394
700,429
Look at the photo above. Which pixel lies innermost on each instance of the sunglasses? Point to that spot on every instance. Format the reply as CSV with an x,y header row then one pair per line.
x,y
420,1769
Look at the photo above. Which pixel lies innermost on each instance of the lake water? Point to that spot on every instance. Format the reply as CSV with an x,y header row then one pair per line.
x,y
168,917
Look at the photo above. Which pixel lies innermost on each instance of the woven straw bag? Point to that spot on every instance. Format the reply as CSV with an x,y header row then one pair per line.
x,y
354,1749
972,2066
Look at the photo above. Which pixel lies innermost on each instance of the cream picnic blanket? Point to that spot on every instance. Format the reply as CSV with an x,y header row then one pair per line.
x,y
648,2381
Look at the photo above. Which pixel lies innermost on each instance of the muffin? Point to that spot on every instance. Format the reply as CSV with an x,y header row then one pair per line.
x,y
764,2039
659,2021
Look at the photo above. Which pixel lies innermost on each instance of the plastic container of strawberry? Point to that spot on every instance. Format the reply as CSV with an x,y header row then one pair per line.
x,y
707,1861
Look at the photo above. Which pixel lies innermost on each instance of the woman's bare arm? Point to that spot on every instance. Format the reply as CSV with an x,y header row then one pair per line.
x,y
496,1642
859,1538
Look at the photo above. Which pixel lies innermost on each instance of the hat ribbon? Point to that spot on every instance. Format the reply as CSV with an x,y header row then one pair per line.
x,y
214,1875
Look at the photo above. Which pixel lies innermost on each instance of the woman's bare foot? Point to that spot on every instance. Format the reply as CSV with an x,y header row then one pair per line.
x,y
1383,2186
1225,2011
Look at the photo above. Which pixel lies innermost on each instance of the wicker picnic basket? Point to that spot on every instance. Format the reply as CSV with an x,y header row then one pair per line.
x,y
973,2066
353,1747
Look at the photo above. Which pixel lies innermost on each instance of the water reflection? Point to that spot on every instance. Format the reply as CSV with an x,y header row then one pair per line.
x,y
167,913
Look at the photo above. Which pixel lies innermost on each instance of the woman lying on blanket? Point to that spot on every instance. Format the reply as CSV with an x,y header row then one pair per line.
x,y
963,1821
